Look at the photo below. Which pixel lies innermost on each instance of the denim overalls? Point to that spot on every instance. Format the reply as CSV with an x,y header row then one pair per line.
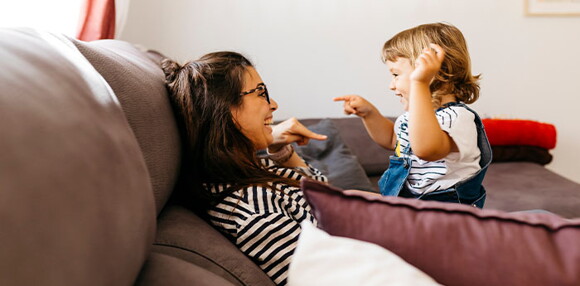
x,y
469,191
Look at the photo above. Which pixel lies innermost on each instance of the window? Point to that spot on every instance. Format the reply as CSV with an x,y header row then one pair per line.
x,y
54,15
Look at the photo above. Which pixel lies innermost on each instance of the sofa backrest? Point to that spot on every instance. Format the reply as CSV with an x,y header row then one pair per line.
x,y
139,84
76,198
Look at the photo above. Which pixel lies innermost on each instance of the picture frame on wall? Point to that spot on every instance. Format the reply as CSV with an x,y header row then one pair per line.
x,y
552,7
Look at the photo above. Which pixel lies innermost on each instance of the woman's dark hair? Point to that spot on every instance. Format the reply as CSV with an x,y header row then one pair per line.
x,y
215,151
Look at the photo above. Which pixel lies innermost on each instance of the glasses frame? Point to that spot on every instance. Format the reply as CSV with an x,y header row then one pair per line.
x,y
261,86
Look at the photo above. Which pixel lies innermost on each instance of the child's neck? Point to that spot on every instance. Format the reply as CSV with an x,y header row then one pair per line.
x,y
448,98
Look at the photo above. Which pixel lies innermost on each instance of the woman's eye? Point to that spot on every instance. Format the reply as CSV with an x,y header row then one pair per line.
x,y
263,94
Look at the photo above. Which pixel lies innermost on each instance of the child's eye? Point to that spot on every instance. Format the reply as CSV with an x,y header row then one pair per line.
x,y
395,75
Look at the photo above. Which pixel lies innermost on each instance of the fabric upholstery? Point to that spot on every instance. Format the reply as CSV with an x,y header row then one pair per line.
x,y
521,153
74,189
334,159
455,244
184,235
373,158
518,186
164,270
139,84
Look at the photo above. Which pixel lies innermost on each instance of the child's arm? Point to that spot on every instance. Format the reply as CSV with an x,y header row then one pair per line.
x,y
428,141
380,129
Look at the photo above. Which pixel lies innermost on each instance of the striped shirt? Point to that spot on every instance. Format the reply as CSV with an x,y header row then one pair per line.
x,y
264,222
429,176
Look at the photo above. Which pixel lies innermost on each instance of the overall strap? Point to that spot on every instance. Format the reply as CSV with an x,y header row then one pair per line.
x,y
482,141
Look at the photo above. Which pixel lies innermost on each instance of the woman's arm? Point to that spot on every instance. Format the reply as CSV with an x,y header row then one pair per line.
x,y
270,240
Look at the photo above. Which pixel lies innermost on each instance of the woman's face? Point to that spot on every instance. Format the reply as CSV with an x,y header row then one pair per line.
x,y
254,116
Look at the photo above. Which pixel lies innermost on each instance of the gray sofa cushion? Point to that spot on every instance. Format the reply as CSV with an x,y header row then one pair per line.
x,y
76,204
334,158
139,83
373,158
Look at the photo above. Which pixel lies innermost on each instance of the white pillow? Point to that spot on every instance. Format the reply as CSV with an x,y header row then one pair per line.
x,y
322,259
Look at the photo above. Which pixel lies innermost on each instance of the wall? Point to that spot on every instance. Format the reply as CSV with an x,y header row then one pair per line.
x,y
309,51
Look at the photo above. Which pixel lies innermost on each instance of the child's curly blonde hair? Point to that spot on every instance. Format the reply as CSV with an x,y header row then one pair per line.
x,y
455,76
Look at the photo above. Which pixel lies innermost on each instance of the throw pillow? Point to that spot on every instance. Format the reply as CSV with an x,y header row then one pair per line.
x,y
502,132
521,153
455,244
373,158
321,259
334,159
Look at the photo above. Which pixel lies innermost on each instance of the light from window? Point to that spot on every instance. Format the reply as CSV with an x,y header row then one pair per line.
x,y
55,15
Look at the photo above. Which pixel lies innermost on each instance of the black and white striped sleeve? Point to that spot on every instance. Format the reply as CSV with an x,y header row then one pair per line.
x,y
270,239
313,173
309,171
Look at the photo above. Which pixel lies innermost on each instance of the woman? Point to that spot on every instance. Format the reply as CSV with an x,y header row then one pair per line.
x,y
225,116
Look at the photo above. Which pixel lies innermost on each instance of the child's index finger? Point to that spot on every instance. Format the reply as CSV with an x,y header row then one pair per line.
x,y
341,98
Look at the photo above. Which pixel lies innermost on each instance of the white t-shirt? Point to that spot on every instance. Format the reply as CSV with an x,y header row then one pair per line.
x,y
429,176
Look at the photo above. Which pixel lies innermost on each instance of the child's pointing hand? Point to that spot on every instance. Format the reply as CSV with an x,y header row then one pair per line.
x,y
428,64
354,104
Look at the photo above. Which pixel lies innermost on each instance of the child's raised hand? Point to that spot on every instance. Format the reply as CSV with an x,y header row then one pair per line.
x,y
428,64
354,104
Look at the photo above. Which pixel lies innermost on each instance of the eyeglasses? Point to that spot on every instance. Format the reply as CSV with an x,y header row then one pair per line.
x,y
262,89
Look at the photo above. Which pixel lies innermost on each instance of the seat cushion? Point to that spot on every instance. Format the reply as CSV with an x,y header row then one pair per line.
x,y
518,186
184,235
165,270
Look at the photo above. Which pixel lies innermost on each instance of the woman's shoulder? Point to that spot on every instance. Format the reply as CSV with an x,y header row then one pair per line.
x,y
254,202
257,198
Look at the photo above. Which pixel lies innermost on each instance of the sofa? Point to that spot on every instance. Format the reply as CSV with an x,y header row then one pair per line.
x,y
517,179
90,156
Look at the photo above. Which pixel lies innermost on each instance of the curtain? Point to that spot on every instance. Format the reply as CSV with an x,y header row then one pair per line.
x,y
97,20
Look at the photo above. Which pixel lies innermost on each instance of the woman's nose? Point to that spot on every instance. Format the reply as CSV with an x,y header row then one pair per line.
x,y
273,104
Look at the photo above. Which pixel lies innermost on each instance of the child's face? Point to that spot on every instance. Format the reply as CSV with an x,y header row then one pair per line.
x,y
401,70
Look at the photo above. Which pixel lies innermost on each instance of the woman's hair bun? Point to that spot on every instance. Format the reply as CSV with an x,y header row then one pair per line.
x,y
170,68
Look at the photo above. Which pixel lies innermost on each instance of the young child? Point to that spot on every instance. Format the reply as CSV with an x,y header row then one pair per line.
x,y
441,150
